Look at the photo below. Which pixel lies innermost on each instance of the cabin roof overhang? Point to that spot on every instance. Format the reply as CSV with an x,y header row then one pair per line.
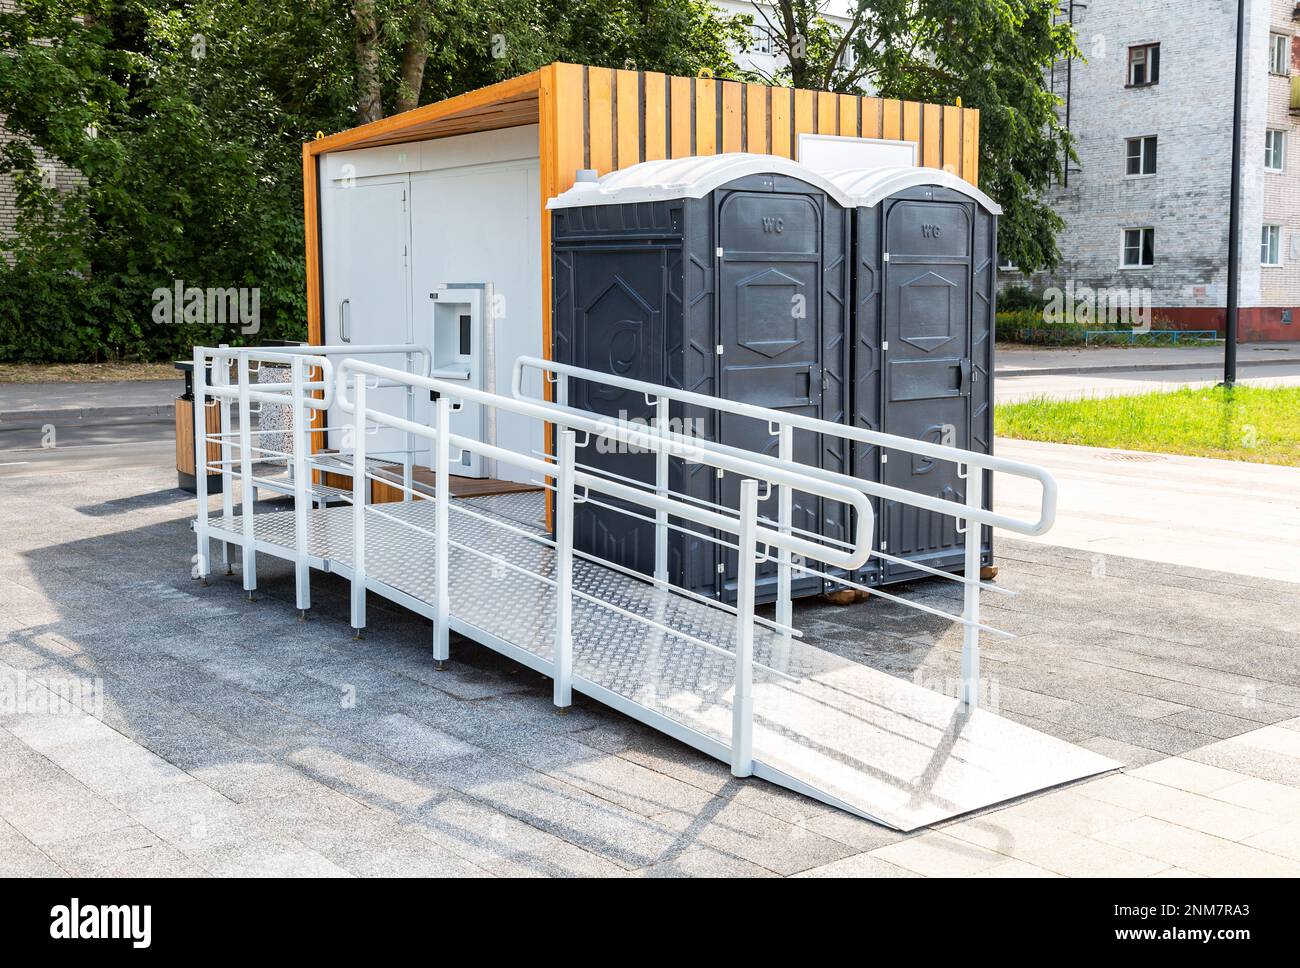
x,y
507,104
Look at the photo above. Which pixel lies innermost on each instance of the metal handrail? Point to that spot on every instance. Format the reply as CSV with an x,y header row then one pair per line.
x,y
758,537
752,535
299,393
838,488
782,418
782,424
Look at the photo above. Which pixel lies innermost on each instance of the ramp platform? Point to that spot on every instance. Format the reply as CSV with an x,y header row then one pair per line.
x,y
825,726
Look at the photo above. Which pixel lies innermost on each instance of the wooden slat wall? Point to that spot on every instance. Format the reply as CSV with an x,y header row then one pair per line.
x,y
610,119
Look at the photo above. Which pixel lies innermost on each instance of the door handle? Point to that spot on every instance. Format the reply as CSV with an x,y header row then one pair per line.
x,y
963,387
815,384
345,320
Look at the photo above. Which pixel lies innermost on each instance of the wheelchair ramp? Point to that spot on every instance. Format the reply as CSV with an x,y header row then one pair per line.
x,y
825,726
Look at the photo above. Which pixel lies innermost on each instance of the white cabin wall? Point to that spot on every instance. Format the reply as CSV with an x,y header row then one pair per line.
x,y
473,216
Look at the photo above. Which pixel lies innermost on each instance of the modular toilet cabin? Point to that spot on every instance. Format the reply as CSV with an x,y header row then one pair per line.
x,y
859,296
923,324
430,226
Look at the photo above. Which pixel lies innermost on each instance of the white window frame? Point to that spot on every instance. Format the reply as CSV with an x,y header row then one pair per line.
x,y
1274,145
1270,245
1123,247
1279,54
1141,143
1146,61
760,36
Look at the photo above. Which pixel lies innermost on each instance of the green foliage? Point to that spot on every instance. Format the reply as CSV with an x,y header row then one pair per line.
x,y
185,126
1019,297
185,122
992,54
1028,327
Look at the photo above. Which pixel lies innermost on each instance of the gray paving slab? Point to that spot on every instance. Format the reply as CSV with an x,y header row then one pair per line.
x,y
126,852
19,857
242,741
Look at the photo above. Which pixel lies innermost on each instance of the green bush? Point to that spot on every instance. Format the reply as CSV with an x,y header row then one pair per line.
x,y
1027,326
1019,297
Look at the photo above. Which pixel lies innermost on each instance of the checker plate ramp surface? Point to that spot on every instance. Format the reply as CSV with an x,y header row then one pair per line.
x,y
826,726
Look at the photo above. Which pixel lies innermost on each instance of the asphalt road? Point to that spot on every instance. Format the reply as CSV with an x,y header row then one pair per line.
x,y
1069,386
79,445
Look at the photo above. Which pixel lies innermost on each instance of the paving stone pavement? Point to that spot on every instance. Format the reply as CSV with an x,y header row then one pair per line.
x,y
153,726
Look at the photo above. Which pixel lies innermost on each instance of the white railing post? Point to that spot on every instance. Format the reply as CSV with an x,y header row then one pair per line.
x,y
360,492
441,528
742,703
201,461
970,649
221,377
301,490
408,459
564,510
247,486
785,521
661,489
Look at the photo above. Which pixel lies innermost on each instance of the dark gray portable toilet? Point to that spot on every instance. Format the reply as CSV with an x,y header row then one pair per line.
x,y
726,275
925,258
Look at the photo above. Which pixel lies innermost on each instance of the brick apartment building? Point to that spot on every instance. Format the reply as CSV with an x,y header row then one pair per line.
x,y
1146,206
57,174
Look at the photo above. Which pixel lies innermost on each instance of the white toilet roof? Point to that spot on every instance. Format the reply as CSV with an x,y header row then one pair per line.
x,y
696,176
692,177
869,186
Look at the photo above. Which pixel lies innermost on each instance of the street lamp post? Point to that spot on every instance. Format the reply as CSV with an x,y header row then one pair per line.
x,y
1234,210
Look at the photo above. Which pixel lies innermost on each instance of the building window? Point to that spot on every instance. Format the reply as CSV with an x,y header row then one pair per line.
x,y
1275,150
1140,156
1279,54
1140,247
1144,65
1270,245
760,39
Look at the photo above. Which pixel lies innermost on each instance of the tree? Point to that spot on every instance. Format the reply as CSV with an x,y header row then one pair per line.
x,y
993,54
186,118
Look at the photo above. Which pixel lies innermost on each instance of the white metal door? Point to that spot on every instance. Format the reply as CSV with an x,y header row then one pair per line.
x,y
366,223
476,227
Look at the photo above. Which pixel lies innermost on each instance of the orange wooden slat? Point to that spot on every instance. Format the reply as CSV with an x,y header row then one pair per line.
x,y
679,118
311,232
891,119
803,116
565,130
931,126
732,94
828,115
627,118
952,139
756,118
780,114
912,125
706,116
870,107
656,114
600,118
848,115
970,146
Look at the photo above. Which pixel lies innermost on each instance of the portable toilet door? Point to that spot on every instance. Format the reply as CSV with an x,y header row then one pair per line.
x,y
925,245
726,275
